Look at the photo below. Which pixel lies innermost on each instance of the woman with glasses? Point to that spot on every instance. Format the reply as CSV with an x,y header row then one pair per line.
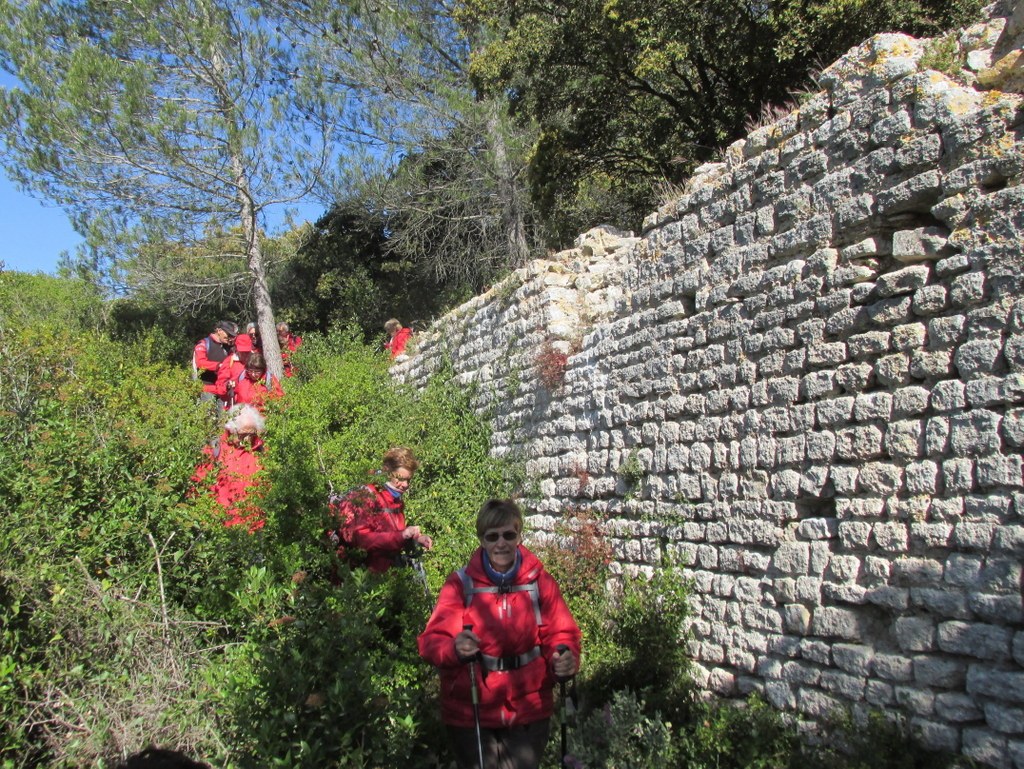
x,y
500,624
372,517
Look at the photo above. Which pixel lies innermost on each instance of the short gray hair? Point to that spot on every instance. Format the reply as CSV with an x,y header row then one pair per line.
x,y
245,417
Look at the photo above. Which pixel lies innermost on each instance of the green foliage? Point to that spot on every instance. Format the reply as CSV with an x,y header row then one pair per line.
x,y
943,54
622,735
337,681
631,93
744,735
631,471
27,300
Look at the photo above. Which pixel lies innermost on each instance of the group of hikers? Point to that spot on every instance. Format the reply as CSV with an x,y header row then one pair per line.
x,y
500,635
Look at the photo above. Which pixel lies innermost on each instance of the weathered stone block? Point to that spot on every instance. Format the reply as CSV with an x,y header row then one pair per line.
x,y
977,640
957,707
915,634
832,622
943,672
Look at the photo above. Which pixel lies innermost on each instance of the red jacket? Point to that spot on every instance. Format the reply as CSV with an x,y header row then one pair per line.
x,y
228,371
371,520
244,390
235,487
398,342
287,348
507,627
207,356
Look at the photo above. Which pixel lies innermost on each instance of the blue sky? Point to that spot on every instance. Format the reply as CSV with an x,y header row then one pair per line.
x,y
33,235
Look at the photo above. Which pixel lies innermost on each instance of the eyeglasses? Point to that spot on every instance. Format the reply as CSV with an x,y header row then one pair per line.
x,y
494,536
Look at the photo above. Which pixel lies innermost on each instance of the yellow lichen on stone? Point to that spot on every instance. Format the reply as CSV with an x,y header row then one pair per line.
x,y
1007,74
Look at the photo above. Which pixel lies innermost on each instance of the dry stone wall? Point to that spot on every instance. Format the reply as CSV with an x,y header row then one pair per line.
x,y
806,379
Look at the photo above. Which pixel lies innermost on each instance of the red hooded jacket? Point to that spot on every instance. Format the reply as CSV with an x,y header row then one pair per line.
x,y
506,624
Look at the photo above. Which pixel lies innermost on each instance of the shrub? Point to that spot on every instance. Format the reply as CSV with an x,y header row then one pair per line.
x,y
550,365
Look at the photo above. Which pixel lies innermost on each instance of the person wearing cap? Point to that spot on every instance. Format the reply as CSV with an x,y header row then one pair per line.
x,y
210,352
230,369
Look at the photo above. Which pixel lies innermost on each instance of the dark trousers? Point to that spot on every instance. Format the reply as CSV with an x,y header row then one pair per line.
x,y
515,747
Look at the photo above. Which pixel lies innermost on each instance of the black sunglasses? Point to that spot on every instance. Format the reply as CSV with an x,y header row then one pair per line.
x,y
508,536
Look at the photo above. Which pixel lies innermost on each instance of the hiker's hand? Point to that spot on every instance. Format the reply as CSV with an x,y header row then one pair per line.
x,y
410,532
563,664
466,644
425,540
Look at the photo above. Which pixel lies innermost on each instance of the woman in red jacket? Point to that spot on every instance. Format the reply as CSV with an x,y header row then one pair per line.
x,y
234,465
506,613
372,518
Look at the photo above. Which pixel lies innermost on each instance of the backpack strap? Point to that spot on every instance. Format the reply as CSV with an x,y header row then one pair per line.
x,y
515,661
469,590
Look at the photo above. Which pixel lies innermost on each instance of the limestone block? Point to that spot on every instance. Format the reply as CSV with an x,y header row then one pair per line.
x,y
930,535
929,300
848,686
893,667
918,192
915,634
1000,471
949,396
942,603
854,534
833,622
975,433
936,736
915,699
1009,539
977,640
986,747
859,443
995,682
1005,719
994,390
891,537
938,671
978,358
878,693
957,707
967,289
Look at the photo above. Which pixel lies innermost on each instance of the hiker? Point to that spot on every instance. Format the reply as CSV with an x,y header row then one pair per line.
x,y
253,331
289,343
398,337
210,352
230,369
500,625
235,460
371,519
248,383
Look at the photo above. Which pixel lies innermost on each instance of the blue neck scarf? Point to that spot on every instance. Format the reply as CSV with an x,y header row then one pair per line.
x,y
501,579
395,493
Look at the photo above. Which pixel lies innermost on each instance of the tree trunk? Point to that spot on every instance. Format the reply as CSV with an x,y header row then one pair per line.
x,y
257,271
508,191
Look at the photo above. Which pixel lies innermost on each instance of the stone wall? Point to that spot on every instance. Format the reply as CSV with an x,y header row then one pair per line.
x,y
806,378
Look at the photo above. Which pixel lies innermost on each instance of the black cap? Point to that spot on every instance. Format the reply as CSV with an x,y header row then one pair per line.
x,y
227,326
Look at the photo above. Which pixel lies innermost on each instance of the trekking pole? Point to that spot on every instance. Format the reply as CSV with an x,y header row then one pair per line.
x,y
568,709
475,694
